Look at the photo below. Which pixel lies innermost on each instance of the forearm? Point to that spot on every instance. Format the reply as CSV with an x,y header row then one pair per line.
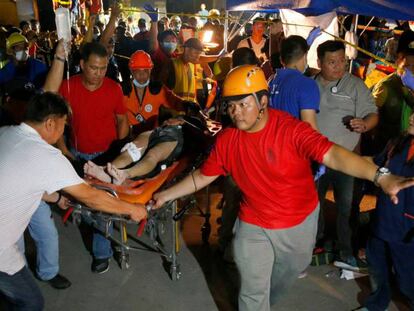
x,y
55,76
122,127
61,145
371,121
103,201
109,30
340,159
153,33
309,116
190,184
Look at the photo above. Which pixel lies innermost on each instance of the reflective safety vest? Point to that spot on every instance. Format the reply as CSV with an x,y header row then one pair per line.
x,y
155,96
185,80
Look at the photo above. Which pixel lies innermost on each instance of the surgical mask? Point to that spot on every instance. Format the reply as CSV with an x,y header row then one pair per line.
x,y
169,47
22,56
137,84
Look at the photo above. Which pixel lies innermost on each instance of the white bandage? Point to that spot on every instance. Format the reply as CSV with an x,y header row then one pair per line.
x,y
133,151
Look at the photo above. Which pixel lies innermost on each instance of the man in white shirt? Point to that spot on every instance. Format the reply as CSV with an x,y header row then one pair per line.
x,y
257,41
32,170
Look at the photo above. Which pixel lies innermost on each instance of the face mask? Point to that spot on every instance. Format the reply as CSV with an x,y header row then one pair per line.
x,y
95,37
137,84
169,47
22,56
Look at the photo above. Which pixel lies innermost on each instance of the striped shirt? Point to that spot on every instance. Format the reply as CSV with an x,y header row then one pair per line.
x,y
29,167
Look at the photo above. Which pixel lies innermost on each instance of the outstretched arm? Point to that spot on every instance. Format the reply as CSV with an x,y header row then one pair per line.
x,y
110,27
55,76
340,159
103,201
190,184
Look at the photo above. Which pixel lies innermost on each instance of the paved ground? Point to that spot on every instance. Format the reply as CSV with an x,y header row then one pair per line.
x,y
207,282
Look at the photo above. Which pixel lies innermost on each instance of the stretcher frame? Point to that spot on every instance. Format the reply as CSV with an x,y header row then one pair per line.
x,y
153,226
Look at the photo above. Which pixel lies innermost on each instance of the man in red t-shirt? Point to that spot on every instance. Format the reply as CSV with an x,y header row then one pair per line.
x,y
98,112
268,154
98,118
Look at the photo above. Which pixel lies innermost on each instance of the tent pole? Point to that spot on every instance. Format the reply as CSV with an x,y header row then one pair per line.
x,y
355,30
226,29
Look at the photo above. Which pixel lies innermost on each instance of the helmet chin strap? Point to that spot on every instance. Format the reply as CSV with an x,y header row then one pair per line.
x,y
261,110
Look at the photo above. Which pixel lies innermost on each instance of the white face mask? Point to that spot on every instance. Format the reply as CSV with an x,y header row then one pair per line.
x,y
22,56
137,84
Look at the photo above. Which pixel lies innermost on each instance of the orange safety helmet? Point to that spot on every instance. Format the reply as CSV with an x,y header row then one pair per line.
x,y
140,60
244,80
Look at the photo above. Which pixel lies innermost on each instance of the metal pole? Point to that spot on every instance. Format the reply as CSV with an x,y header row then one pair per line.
x,y
355,30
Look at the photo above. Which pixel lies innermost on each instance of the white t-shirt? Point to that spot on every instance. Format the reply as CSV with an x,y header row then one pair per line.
x,y
29,167
256,47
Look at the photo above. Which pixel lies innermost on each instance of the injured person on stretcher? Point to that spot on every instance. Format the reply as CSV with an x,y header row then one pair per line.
x,y
148,154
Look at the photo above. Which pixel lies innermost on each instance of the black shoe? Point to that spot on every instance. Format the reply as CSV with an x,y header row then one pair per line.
x,y
100,265
59,282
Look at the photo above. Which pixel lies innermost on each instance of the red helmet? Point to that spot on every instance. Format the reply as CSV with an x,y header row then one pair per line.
x,y
140,60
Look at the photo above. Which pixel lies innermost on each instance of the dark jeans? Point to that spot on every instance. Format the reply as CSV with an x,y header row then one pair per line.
x,y
382,256
20,291
343,186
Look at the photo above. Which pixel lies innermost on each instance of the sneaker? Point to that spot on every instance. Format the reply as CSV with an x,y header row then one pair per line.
x,y
303,274
100,265
59,282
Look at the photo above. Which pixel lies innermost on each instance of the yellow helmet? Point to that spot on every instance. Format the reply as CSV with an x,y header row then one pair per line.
x,y
14,39
244,80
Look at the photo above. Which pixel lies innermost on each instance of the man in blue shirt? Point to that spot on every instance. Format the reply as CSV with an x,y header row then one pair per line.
x,y
290,90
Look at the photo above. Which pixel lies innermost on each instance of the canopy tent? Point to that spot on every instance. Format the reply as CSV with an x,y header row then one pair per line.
x,y
392,9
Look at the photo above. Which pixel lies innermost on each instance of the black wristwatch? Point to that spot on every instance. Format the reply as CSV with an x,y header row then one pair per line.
x,y
381,171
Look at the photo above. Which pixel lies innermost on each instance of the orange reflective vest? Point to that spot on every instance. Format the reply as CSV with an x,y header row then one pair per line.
x,y
155,96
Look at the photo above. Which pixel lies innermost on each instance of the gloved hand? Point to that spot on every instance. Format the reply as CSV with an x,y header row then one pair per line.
x,y
315,32
407,79
151,11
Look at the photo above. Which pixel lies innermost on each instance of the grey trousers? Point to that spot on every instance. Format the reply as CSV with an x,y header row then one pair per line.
x,y
269,261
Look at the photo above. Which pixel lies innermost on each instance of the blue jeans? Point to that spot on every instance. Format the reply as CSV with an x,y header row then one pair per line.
x,y
101,247
43,231
21,291
343,188
382,256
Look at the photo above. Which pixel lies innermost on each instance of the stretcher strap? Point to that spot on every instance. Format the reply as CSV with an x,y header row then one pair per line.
x,y
67,214
141,227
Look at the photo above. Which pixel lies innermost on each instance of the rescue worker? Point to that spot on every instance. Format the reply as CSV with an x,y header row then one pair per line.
x,y
146,98
180,74
268,154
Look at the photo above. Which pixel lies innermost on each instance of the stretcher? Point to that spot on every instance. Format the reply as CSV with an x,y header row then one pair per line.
x,y
159,233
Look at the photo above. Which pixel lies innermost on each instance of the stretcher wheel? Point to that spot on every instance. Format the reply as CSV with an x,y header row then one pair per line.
x,y
175,273
124,261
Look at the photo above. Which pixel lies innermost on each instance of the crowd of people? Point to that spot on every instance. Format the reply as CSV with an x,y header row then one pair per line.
x,y
115,103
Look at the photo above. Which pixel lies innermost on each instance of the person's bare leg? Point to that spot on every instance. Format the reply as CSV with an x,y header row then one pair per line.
x,y
155,155
124,159
96,171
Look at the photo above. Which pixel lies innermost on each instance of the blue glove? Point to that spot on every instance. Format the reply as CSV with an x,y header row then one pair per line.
x,y
407,79
315,32
321,171
152,12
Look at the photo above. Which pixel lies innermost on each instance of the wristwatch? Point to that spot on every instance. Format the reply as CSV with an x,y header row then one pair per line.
x,y
381,171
